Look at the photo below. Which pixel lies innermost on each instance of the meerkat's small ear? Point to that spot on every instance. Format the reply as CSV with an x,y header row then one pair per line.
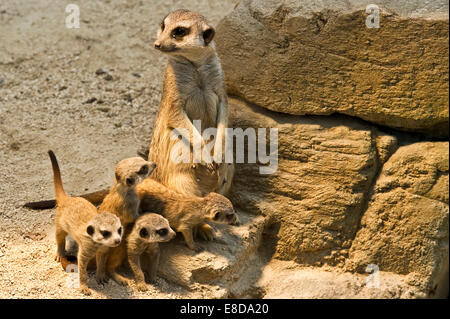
x,y
208,34
117,177
90,230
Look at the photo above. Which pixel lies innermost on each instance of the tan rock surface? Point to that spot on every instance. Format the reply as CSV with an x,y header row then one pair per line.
x,y
283,279
219,261
315,199
319,58
405,229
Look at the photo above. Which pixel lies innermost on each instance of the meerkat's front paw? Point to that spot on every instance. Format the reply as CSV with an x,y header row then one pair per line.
x,y
121,280
141,286
206,232
59,256
85,290
101,278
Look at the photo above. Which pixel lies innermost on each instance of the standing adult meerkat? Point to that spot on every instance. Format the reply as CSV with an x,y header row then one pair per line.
x,y
186,213
122,201
143,248
193,89
94,232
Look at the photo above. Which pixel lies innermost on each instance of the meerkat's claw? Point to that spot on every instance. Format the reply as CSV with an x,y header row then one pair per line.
x,y
141,286
59,255
208,236
101,279
211,168
206,232
121,280
85,291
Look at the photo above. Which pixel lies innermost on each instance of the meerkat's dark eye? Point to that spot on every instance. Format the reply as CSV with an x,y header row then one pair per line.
x,y
143,170
120,231
130,181
105,233
162,232
90,230
143,233
217,216
179,32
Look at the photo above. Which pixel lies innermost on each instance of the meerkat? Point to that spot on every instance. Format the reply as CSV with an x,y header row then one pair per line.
x,y
94,232
193,89
186,213
143,248
122,201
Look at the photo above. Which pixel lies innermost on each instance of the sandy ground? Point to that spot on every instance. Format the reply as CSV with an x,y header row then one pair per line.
x,y
52,98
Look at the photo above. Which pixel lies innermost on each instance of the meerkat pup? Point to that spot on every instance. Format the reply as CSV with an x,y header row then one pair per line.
x,y
193,89
143,248
122,201
93,232
186,213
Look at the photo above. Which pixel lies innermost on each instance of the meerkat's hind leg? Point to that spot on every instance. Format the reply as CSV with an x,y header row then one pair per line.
x,y
60,244
188,238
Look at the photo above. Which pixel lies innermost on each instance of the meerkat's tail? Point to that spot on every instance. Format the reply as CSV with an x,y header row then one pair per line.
x,y
59,189
95,198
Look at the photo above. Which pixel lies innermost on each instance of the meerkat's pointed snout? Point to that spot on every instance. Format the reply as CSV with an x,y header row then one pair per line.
x,y
157,45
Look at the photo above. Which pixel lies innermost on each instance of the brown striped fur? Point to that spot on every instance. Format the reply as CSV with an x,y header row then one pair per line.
x,y
186,213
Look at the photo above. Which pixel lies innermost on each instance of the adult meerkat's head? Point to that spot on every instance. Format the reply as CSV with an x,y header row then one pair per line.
x,y
105,229
220,209
185,33
131,171
153,228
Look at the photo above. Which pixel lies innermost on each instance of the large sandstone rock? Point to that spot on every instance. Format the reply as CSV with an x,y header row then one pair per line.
x,y
318,57
220,261
283,279
315,199
405,229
